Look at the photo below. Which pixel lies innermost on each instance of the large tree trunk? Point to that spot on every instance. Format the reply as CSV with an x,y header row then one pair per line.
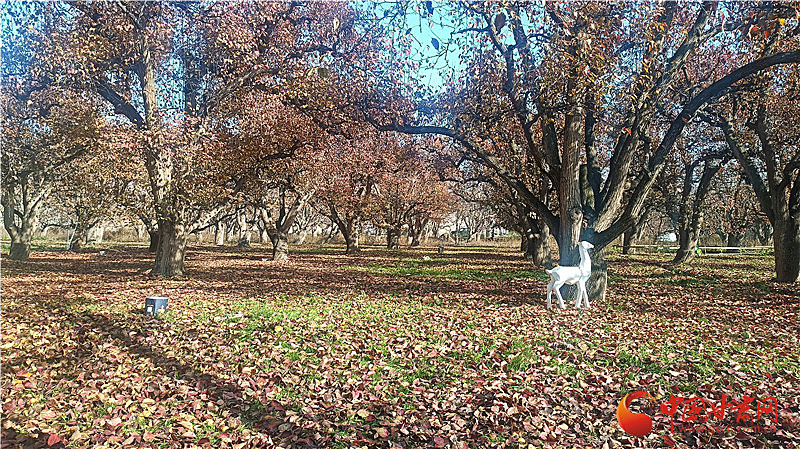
x,y
627,241
691,220
780,201
687,242
536,241
219,234
154,237
734,240
244,230
20,247
351,239
21,234
79,237
569,191
598,281
21,238
350,227
392,239
171,249
415,238
172,230
786,244
280,246
416,230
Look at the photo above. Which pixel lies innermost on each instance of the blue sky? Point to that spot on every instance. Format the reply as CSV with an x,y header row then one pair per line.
x,y
424,27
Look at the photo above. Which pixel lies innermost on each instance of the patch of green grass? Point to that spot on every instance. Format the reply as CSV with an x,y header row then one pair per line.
x,y
38,244
209,431
520,354
567,370
615,278
423,369
641,361
318,250
429,269
688,281
791,363
521,361
266,314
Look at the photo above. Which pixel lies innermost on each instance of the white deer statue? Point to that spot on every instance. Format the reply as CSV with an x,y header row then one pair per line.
x,y
571,275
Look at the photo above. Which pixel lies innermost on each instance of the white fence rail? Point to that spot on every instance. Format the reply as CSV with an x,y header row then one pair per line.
x,y
707,248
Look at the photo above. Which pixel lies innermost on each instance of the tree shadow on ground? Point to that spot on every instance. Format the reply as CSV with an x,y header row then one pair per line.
x,y
274,421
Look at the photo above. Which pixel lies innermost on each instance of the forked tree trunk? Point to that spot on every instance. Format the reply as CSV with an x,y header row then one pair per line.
x,y
351,240
21,232
244,231
392,239
79,238
350,227
171,249
278,226
219,234
280,246
21,238
416,230
780,201
733,242
415,239
687,242
21,245
691,212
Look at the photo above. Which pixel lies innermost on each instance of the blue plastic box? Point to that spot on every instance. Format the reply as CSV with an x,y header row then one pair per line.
x,y
154,305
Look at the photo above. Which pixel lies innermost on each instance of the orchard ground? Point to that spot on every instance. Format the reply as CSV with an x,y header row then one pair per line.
x,y
387,349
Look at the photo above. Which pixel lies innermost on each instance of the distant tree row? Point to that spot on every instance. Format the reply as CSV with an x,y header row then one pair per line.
x,y
561,120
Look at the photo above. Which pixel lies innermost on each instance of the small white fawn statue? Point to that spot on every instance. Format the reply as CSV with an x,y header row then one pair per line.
x,y
571,275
